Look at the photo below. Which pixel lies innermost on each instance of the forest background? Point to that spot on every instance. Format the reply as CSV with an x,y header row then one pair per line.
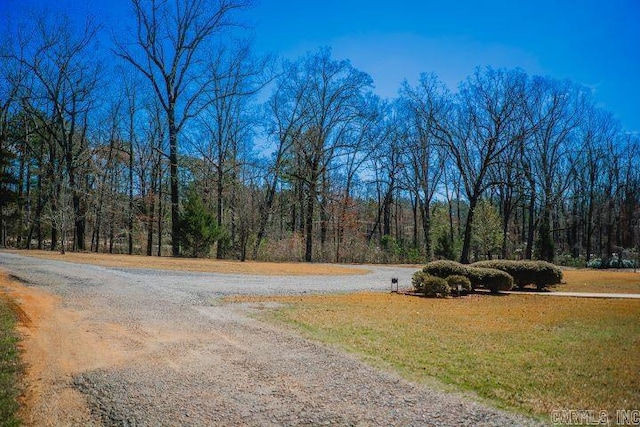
x,y
177,138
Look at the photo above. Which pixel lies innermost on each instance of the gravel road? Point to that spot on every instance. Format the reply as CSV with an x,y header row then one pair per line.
x,y
176,356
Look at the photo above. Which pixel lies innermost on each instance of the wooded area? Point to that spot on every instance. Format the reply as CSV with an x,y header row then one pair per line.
x,y
179,140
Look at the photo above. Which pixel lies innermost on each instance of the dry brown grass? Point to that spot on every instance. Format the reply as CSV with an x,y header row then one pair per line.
x,y
608,281
526,352
197,265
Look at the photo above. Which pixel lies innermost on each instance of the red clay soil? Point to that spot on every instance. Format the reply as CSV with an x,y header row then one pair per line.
x,y
56,344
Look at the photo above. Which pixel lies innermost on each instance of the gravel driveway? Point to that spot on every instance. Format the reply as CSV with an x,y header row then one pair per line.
x,y
177,357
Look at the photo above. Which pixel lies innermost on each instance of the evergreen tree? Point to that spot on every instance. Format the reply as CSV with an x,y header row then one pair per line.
x,y
444,248
487,230
198,226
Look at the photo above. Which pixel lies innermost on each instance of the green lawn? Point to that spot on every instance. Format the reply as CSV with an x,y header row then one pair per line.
x,y
9,365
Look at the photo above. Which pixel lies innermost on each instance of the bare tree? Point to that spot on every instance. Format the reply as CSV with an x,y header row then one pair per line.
x,y
484,124
630,194
284,125
227,125
171,37
328,96
508,190
12,74
106,150
150,165
596,128
366,135
426,107
554,110
64,79
387,164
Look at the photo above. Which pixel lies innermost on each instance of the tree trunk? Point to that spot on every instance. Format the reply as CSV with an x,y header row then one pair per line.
x,y
264,215
20,199
451,228
414,211
324,216
466,244
148,195
130,222
530,227
426,230
220,250
160,205
308,253
386,212
36,225
150,222
545,248
54,214
173,176
507,210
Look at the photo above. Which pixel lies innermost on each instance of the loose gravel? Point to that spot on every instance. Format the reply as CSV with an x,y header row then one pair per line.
x,y
195,362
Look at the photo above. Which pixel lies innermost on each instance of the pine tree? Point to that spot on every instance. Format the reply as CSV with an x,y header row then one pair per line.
x,y
198,226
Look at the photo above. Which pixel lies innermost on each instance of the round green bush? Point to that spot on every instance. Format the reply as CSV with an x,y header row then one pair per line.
x,y
456,280
436,287
444,269
541,274
490,278
430,286
418,279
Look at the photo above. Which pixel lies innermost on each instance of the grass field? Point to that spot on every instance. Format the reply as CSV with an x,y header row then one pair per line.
x,y
9,360
519,351
608,281
524,352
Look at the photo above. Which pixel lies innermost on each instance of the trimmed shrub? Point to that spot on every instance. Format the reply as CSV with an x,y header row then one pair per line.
x,y
444,269
455,280
436,287
430,286
542,274
418,279
490,278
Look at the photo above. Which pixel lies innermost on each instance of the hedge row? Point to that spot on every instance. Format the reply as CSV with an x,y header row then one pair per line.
x,y
445,269
497,275
538,273
488,278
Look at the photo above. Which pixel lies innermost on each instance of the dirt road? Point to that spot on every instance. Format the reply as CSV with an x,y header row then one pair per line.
x,y
108,346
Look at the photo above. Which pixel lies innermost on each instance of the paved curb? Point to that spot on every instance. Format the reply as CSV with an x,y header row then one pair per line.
x,y
577,294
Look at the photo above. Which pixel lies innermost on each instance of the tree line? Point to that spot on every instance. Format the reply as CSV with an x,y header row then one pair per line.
x,y
177,139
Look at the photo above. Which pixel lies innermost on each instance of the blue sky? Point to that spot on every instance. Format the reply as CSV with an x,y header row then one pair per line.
x,y
593,42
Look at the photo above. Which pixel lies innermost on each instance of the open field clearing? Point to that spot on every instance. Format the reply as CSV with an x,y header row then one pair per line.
x,y
128,342
526,352
195,265
606,281
113,346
